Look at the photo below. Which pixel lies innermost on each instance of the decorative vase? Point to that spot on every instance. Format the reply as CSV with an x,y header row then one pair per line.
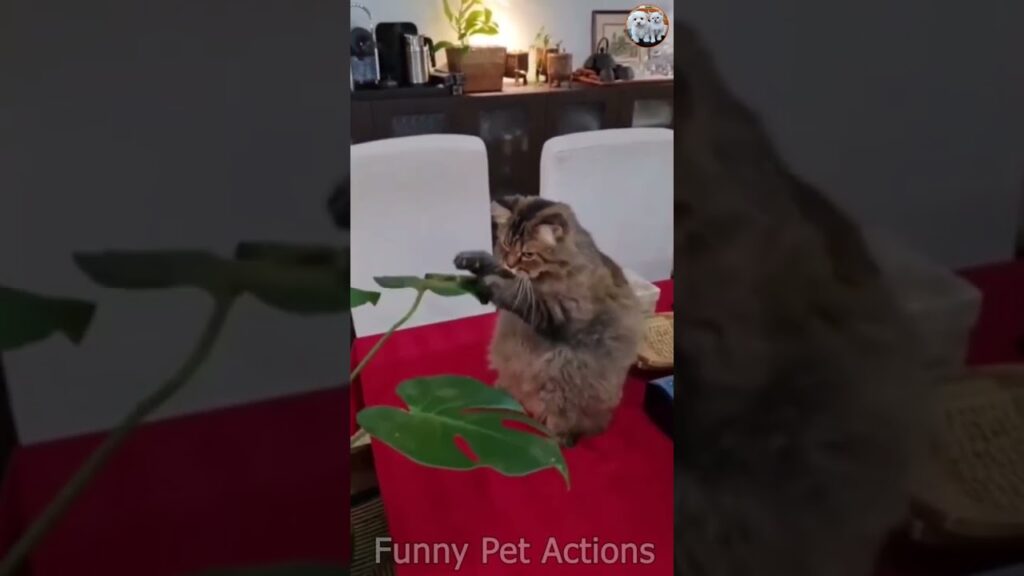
x,y
559,68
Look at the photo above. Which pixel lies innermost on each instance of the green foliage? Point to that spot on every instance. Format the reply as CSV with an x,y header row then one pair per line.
x,y
295,279
357,297
441,284
471,18
443,408
26,318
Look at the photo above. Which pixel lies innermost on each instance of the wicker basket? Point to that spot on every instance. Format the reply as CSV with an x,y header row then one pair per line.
x,y
367,517
657,351
483,67
966,483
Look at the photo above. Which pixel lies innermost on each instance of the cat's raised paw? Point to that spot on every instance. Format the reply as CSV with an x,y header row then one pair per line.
x,y
475,261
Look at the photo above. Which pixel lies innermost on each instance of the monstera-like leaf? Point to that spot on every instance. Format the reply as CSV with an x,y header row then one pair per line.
x,y
26,318
291,279
357,297
447,285
444,408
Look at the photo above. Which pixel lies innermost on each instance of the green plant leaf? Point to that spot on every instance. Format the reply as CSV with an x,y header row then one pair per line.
x,y
296,288
357,297
156,269
486,29
26,318
474,18
455,285
466,5
447,11
285,570
488,14
394,282
443,408
447,285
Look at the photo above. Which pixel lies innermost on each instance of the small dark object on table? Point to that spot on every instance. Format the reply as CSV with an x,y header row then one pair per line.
x,y
659,400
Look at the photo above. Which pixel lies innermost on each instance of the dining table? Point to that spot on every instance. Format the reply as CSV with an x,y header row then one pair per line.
x,y
253,485
614,516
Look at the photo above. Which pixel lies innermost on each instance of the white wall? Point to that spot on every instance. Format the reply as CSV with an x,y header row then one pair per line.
x,y
909,113
519,20
165,124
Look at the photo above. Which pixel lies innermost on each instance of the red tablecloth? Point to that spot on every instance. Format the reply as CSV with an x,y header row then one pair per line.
x,y
621,494
262,483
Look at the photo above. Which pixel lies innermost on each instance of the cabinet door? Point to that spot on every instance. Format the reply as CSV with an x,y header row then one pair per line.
x,y
647,105
512,129
362,122
413,117
581,110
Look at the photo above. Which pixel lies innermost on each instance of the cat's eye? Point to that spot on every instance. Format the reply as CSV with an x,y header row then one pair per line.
x,y
529,255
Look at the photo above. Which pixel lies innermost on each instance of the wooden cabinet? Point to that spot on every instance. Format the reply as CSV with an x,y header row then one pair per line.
x,y
513,130
515,123
582,110
362,122
647,106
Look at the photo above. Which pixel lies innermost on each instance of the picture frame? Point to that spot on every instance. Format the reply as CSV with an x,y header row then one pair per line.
x,y
611,24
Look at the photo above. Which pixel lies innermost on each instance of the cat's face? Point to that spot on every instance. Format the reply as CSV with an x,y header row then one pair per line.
x,y
531,235
657,18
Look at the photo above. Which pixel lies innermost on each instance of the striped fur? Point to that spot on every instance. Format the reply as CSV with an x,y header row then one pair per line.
x,y
569,324
798,376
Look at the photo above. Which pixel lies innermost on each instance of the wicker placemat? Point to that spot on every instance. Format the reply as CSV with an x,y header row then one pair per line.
x,y
658,348
968,483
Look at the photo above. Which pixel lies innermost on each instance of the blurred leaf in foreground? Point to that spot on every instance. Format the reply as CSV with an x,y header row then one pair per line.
x,y
27,318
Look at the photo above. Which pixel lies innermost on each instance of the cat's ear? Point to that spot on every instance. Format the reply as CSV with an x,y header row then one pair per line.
x,y
550,234
552,228
500,213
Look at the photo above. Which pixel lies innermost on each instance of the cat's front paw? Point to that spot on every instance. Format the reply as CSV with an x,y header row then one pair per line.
x,y
475,262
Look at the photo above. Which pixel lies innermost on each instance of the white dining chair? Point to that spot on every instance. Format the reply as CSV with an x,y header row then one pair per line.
x,y
619,184
416,202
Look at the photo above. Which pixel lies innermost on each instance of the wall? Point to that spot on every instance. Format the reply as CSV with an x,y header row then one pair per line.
x,y
519,20
165,124
910,113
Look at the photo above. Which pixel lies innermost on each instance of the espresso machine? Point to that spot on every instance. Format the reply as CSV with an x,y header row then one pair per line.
x,y
390,38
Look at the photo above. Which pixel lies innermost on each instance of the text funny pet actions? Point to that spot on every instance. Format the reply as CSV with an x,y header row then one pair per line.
x,y
494,551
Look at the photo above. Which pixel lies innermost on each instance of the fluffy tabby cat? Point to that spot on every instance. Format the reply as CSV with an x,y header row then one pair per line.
x,y
569,324
795,366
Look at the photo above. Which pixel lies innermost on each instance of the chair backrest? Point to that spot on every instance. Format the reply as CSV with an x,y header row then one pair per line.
x,y
415,203
619,183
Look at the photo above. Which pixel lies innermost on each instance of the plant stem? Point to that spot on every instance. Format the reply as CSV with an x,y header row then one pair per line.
x,y
373,351
384,338
55,510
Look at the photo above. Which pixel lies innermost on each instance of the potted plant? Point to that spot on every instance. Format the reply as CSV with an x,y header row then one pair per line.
x,y
482,66
541,48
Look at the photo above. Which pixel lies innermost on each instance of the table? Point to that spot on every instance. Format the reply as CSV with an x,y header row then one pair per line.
x,y
255,484
622,480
